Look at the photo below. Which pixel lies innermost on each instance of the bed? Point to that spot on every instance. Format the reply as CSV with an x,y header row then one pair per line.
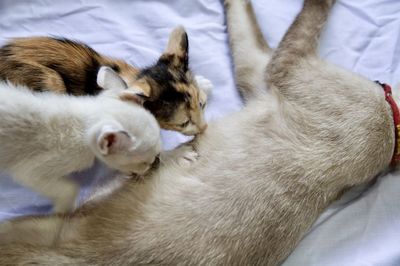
x,y
363,227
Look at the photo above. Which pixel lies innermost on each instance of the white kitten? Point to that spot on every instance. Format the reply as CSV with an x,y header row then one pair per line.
x,y
44,137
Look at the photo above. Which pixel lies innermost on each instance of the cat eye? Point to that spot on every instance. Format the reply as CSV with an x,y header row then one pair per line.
x,y
185,124
202,105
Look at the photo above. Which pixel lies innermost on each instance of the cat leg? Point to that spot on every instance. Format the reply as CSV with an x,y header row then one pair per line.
x,y
183,155
39,230
300,42
33,75
250,51
60,190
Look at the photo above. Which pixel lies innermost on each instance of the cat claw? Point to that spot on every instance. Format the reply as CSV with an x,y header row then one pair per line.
x,y
183,156
186,155
188,158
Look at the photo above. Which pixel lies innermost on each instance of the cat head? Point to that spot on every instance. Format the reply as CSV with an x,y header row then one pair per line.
x,y
121,149
129,140
168,88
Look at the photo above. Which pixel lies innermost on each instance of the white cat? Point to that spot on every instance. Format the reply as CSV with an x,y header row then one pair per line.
x,y
44,137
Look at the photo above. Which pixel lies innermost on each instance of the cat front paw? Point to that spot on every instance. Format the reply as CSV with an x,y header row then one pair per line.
x,y
189,156
204,84
183,156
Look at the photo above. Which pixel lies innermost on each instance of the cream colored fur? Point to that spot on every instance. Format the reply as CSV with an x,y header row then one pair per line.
x,y
263,175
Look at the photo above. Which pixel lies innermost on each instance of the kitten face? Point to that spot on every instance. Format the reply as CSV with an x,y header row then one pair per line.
x,y
171,91
180,103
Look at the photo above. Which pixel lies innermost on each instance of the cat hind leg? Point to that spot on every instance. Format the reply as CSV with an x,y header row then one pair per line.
x,y
32,75
300,42
250,51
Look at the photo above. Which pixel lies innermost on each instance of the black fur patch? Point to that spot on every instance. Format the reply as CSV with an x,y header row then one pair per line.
x,y
116,68
91,87
160,73
185,46
166,98
76,44
75,85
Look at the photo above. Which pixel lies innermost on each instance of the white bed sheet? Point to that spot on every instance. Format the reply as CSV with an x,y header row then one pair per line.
x,y
363,228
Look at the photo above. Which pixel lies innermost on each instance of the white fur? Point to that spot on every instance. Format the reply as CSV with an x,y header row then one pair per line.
x,y
205,85
44,137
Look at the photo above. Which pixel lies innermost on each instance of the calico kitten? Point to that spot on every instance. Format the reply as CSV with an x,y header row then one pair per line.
x,y
168,88
263,175
41,143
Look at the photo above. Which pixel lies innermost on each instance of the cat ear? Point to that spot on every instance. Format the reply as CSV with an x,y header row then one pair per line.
x,y
139,92
111,141
109,79
133,95
178,45
142,85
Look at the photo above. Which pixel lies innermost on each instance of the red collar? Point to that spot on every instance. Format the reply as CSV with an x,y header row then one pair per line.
x,y
396,119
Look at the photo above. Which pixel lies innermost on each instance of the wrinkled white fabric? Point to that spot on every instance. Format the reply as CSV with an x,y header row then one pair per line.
x,y
363,228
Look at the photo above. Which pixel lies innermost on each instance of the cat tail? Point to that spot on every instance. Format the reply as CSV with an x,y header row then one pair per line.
x,y
250,51
299,42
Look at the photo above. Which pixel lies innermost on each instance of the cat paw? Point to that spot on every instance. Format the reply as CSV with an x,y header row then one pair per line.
x,y
189,155
183,156
204,84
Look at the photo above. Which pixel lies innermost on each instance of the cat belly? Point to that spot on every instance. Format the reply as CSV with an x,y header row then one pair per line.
x,y
184,206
